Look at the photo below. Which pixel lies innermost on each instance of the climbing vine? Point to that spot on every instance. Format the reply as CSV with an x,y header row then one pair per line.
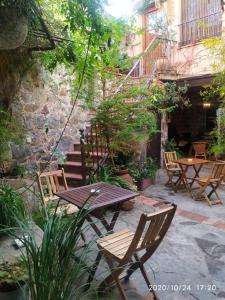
x,y
107,50
216,91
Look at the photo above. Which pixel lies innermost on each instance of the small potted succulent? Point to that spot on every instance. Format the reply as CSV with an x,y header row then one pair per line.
x,y
13,277
143,173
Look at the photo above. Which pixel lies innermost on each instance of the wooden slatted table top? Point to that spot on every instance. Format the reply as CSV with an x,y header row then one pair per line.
x,y
191,161
108,194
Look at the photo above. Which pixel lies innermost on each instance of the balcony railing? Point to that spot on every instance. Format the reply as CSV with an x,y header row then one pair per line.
x,y
194,31
159,57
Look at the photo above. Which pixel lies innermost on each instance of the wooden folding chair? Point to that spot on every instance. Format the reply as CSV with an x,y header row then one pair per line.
x,y
48,184
123,247
172,169
212,181
200,149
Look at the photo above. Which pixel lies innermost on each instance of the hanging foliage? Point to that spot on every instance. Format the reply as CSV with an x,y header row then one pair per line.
x,y
216,92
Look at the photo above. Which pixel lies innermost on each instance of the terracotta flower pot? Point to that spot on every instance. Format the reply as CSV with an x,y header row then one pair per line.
x,y
13,292
128,205
121,171
145,183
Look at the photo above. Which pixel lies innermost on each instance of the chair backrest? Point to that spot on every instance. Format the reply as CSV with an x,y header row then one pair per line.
x,y
151,230
48,183
199,147
169,157
218,171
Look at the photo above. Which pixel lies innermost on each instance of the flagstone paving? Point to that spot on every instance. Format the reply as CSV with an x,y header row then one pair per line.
x,y
190,262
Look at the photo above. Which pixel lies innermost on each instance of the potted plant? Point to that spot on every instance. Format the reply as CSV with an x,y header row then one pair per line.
x,y
144,173
121,162
13,277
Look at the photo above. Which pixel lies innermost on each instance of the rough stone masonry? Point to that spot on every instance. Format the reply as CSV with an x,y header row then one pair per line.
x,y
43,104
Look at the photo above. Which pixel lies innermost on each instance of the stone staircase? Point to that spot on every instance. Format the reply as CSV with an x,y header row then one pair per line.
x,y
85,158
73,167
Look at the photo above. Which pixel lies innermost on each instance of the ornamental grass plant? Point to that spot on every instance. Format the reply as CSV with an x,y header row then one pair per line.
x,y
57,269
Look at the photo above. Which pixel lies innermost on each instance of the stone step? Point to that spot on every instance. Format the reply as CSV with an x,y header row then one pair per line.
x,y
73,167
73,179
76,147
73,176
76,156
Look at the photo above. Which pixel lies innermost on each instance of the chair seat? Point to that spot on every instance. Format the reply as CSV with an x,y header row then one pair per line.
x,y
51,198
116,244
204,179
67,209
178,170
173,167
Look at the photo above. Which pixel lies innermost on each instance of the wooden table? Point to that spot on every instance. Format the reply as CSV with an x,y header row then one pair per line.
x,y
94,198
184,164
87,197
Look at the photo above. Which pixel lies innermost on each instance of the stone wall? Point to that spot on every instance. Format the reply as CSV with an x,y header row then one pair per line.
x,y
43,105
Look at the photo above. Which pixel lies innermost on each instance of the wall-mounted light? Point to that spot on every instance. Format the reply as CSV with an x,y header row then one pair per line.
x,y
206,104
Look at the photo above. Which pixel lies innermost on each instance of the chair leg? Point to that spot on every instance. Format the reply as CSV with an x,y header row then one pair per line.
x,y
143,271
214,190
207,199
219,201
140,264
201,191
171,183
83,238
94,269
114,277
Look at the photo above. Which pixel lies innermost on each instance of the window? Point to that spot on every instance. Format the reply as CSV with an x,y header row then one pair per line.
x,y
147,3
157,23
200,19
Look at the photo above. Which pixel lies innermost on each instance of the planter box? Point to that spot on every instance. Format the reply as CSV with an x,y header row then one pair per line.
x,y
146,182
18,294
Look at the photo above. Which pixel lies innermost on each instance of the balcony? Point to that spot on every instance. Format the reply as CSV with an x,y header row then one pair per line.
x,y
159,58
193,31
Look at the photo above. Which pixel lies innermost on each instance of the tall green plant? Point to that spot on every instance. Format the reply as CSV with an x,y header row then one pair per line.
x,y
10,131
216,91
56,269
106,175
12,207
131,115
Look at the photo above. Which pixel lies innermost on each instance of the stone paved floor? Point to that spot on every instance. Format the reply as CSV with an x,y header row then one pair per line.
x,y
190,262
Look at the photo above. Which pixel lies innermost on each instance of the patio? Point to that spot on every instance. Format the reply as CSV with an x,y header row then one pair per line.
x,y
91,106
189,264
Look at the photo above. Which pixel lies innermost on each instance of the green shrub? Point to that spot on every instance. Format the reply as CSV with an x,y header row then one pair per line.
x,y
12,207
170,146
12,275
106,175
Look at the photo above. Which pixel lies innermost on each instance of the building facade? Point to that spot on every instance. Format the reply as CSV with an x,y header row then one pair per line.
x,y
173,35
